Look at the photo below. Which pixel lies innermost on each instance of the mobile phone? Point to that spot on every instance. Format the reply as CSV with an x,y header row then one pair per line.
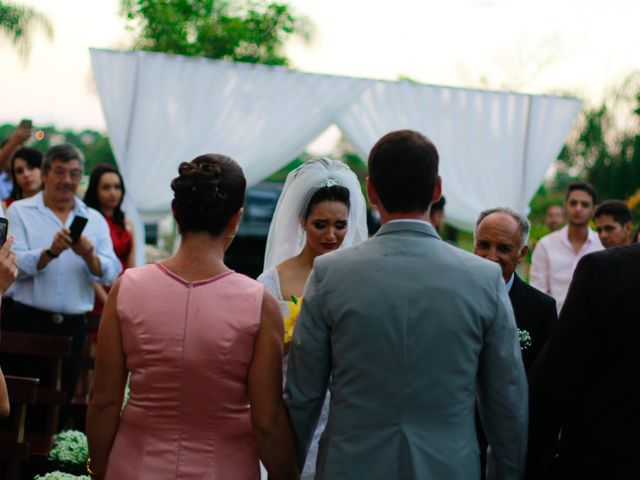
x,y
26,122
76,227
4,228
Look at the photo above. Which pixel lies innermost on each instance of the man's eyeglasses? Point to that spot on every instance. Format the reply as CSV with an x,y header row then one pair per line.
x,y
74,175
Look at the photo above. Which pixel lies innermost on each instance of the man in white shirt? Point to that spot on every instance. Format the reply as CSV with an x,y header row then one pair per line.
x,y
557,254
54,286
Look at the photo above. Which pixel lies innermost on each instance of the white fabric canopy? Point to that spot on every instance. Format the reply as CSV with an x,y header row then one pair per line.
x,y
494,147
160,110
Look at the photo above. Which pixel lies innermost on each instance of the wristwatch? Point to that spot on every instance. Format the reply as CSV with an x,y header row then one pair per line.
x,y
50,253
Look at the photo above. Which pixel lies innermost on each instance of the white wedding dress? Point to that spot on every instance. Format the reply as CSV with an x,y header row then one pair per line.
x,y
271,281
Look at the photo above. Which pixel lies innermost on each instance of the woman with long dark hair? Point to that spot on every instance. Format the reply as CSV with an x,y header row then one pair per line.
x,y
26,174
105,193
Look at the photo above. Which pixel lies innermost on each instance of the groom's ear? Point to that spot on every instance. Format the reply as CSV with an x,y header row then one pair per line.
x,y
437,191
371,193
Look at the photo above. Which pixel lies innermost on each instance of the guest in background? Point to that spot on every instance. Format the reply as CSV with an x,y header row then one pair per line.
x,y
26,174
19,136
554,218
54,290
613,223
585,382
635,238
105,193
501,236
8,274
556,255
436,217
204,346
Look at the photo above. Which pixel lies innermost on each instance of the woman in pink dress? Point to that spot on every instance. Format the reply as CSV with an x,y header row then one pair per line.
x,y
204,347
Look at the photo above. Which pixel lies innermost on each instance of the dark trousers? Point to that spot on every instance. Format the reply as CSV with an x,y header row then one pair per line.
x,y
22,318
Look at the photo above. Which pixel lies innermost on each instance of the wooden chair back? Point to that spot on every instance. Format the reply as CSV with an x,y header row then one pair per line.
x,y
53,398
13,448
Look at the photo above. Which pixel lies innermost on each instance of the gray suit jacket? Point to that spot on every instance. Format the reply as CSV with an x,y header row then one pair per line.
x,y
402,329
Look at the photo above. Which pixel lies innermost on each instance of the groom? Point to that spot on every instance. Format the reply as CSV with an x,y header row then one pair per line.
x,y
404,329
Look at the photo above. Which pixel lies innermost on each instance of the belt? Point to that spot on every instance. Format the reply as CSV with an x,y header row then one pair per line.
x,y
55,317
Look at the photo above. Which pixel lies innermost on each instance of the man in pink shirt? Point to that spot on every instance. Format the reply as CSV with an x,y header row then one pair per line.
x,y
556,255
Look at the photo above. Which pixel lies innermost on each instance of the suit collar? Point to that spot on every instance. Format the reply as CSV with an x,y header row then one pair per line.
x,y
397,226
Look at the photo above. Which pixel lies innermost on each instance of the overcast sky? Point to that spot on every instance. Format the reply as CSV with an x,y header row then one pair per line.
x,y
561,46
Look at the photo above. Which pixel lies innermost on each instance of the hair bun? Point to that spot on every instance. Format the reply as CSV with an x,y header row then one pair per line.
x,y
207,192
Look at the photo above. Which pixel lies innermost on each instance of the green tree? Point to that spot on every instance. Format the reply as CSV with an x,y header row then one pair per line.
x,y
252,31
606,149
17,24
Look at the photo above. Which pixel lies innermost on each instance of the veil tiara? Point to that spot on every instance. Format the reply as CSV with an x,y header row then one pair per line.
x,y
330,182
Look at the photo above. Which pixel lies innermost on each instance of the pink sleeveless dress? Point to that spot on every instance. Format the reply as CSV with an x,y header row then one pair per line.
x,y
188,348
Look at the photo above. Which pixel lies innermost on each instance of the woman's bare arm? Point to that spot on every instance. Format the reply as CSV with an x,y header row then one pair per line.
x,y
269,418
107,392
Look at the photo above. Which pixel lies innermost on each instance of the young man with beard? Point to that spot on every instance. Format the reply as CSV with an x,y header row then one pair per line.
x,y
557,254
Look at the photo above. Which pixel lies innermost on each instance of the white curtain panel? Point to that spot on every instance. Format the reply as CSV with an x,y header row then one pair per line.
x,y
165,109
494,147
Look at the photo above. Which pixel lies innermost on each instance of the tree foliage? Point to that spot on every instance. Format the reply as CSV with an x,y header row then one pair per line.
x,y
606,149
94,146
17,24
252,31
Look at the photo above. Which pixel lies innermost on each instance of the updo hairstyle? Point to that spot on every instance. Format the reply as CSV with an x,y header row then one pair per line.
x,y
207,193
333,193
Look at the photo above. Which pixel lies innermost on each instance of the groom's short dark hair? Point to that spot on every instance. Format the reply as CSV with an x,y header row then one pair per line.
x,y
403,167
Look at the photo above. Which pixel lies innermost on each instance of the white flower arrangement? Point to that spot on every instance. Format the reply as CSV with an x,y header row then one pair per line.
x,y
61,476
70,446
525,339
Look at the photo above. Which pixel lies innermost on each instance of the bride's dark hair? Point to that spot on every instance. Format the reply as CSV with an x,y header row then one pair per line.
x,y
207,193
335,193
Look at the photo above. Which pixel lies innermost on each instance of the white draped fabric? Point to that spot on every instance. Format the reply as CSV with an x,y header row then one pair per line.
x,y
163,109
494,147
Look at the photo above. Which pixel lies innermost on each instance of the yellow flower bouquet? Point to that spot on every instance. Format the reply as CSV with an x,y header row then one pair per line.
x,y
290,321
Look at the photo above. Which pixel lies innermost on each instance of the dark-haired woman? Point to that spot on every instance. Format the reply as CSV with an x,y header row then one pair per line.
x,y
203,345
321,209
105,193
26,174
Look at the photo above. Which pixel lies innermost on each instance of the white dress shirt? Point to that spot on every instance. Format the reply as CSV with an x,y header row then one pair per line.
x,y
554,261
64,285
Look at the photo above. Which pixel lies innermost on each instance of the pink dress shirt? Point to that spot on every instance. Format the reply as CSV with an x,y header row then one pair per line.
x,y
554,261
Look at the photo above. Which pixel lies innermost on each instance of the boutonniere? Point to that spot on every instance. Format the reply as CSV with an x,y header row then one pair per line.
x,y
525,339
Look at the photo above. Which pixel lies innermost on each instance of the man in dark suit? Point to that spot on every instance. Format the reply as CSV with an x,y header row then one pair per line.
x,y
501,236
585,382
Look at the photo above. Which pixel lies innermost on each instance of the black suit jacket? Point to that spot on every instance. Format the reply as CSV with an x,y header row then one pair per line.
x,y
586,382
536,313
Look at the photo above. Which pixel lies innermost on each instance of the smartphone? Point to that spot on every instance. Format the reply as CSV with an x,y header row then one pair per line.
x,y
4,228
76,227
26,122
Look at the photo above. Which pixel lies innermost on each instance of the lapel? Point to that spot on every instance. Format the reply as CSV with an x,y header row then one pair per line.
x,y
517,289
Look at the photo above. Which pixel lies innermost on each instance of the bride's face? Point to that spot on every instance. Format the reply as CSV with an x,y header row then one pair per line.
x,y
326,226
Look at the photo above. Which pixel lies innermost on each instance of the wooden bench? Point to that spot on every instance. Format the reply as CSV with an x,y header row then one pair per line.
x,y
55,348
13,448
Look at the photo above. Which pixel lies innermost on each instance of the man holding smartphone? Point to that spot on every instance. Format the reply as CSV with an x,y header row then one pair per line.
x,y
58,260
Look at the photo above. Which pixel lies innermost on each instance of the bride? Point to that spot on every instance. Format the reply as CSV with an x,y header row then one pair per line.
x,y
320,210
